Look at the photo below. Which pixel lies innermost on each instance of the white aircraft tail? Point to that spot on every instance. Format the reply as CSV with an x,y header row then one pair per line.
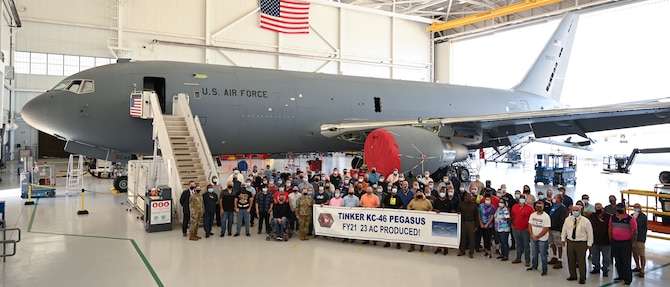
x,y
547,74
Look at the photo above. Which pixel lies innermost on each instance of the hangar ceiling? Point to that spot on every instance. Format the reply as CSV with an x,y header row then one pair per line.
x,y
449,10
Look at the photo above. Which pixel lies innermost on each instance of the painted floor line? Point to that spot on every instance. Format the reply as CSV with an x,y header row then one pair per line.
x,y
132,241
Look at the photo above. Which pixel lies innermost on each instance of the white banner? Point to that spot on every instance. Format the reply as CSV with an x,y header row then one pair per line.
x,y
392,225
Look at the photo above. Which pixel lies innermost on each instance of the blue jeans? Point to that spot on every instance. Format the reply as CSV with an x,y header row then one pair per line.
x,y
540,248
227,222
280,229
242,216
503,238
607,257
522,238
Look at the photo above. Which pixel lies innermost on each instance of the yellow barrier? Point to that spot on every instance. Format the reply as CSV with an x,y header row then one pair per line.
x,y
83,210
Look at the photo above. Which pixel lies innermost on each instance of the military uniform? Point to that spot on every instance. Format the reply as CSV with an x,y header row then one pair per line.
x,y
197,208
304,212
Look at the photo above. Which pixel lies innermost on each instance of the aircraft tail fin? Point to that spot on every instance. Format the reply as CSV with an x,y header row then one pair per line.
x,y
547,74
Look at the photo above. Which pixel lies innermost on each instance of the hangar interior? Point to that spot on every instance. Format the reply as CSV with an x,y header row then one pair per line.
x,y
45,41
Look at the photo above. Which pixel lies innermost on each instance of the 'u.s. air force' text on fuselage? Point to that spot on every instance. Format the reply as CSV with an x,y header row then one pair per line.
x,y
235,93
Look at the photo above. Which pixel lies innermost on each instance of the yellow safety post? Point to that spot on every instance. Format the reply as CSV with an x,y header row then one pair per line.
x,y
82,211
30,196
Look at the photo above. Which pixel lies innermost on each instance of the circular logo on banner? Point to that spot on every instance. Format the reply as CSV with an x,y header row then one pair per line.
x,y
160,204
325,220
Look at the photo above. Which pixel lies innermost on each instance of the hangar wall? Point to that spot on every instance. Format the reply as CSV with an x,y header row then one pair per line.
x,y
343,39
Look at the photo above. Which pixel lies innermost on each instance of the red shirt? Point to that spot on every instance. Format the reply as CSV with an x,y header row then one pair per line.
x,y
494,201
521,216
276,195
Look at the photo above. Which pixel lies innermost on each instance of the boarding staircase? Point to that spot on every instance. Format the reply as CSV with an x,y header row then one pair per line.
x,y
179,140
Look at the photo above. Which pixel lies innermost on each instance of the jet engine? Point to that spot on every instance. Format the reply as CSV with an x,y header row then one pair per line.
x,y
410,149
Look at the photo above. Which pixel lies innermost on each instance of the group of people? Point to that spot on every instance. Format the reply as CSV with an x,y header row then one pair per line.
x,y
488,216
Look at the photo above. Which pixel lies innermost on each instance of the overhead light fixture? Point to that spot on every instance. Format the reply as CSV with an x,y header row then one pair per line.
x,y
461,2
378,6
439,9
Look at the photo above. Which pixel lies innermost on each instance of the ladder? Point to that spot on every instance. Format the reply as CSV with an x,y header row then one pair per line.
x,y
75,180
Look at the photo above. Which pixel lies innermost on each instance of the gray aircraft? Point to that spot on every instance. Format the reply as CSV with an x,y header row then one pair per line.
x,y
398,124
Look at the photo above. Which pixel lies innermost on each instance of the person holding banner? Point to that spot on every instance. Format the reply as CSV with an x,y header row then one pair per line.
x,y
442,204
304,213
369,200
393,201
469,224
419,203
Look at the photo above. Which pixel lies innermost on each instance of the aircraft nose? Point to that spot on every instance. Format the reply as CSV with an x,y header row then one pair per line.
x,y
37,112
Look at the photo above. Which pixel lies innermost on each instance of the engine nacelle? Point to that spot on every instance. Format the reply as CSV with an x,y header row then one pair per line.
x,y
410,149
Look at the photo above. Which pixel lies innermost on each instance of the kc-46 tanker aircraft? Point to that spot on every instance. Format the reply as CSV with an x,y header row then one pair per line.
x,y
398,124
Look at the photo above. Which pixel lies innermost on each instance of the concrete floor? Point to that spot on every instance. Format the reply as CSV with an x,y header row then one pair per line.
x,y
109,247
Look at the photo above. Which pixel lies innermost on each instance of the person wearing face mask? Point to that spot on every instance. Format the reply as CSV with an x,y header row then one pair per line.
x,y
538,228
405,194
393,201
443,183
478,184
217,190
426,177
638,247
264,202
502,220
477,195
545,201
209,201
236,175
321,197
549,194
520,217
455,182
578,233
422,204
369,200
374,175
335,178
337,199
227,204
443,203
557,213
285,175
588,207
293,203
611,208
393,177
469,224
197,209
486,213
252,213
567,200
304,214
304,183
243,204
280,213
623,235
601,241
184,200
581,206
530,198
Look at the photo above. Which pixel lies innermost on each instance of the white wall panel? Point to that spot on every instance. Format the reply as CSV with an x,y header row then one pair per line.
x,y
171,16
86,12
63,39
366,36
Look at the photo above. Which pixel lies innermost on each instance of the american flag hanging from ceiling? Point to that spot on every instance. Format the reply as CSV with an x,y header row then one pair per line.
x,y
285,16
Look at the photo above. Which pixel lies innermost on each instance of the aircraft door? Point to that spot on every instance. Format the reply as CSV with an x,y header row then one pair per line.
x,y
157,85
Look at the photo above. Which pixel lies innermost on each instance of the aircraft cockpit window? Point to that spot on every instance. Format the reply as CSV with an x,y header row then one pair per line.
x,y
87,87
76,86
62,85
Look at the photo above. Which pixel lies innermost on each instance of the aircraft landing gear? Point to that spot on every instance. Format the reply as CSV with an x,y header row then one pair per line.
x,y
121,183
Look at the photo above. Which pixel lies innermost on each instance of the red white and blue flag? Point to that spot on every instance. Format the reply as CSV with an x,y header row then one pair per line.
x,y
136,107
285,16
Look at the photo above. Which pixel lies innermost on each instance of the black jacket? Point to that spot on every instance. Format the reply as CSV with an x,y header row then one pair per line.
x,y
183,200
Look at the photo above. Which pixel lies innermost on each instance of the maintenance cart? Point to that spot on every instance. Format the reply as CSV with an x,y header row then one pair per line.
x,y
41,177
556,169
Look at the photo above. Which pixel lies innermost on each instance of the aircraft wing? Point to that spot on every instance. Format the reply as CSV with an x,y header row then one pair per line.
x,y
497,128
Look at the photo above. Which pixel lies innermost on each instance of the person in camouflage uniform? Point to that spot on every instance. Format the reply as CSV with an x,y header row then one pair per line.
x,y
304,213
197,208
